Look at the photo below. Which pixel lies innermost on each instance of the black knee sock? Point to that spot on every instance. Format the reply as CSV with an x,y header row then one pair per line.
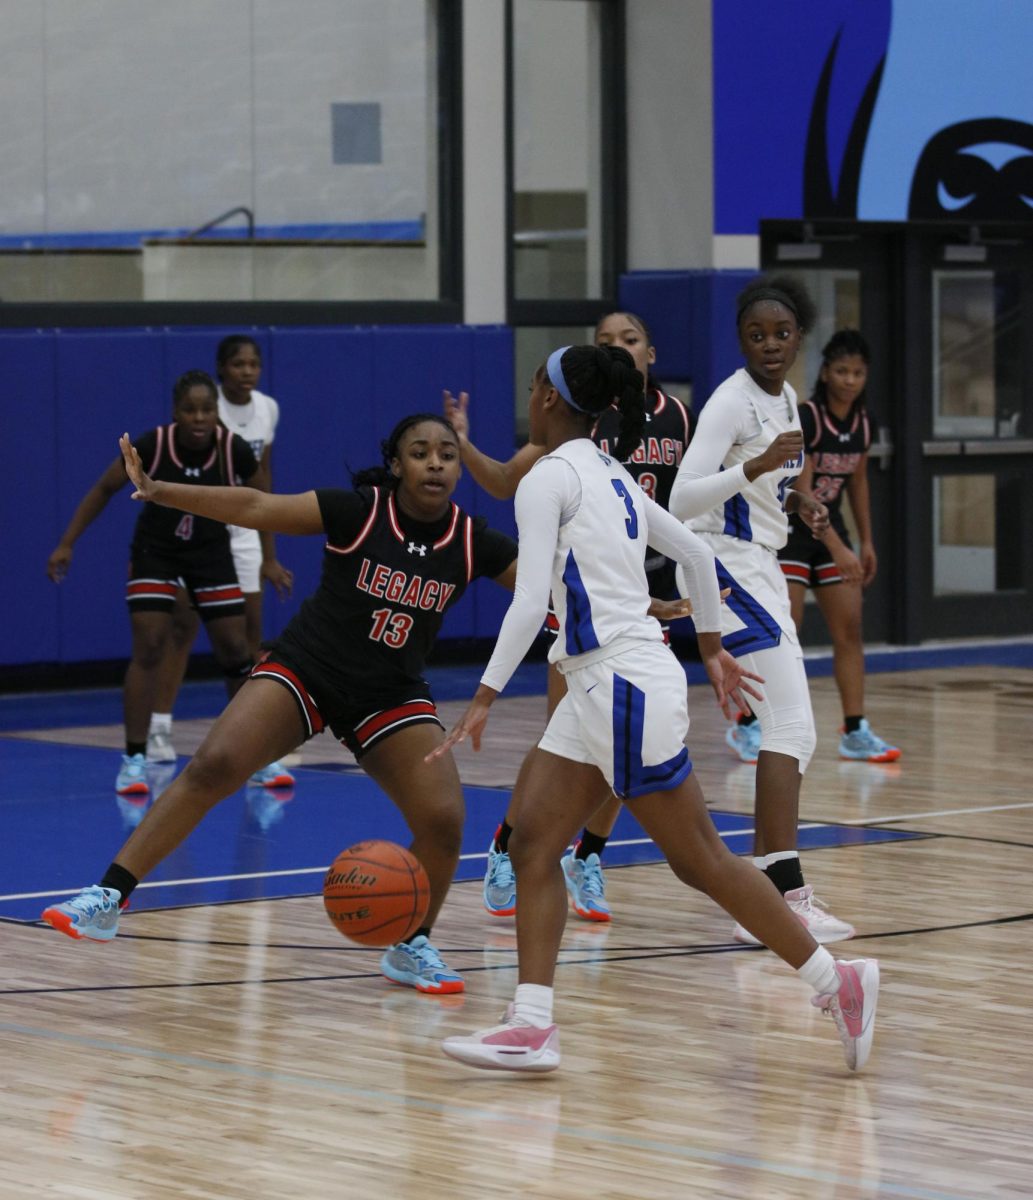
x,y
502,837
852,724
119,878
590,843
786,874
136,748
747,718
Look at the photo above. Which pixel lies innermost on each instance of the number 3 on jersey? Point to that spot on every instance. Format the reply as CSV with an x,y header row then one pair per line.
x,y
631,524
391,628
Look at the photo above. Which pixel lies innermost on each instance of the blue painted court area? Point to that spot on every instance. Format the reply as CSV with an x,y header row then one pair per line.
x,y
62,824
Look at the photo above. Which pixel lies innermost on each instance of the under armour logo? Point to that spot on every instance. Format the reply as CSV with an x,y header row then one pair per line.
x,y
194,471
413,548
844,437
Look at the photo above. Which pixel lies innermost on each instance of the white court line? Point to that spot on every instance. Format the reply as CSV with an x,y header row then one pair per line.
x,y
943,812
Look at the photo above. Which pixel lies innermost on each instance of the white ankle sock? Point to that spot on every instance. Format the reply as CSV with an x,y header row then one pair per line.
x,y
161,723
820,972
533,1004
779,856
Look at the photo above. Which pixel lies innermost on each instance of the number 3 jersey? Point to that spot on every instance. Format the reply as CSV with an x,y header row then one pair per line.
x,y
167,530
387,581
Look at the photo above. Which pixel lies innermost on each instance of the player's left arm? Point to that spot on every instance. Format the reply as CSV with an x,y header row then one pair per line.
x,y
272,569
860,506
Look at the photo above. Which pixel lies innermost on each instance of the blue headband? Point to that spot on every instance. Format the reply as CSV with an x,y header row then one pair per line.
x,y
554,370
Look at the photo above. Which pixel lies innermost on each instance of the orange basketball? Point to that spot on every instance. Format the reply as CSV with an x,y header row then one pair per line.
x,y
376,893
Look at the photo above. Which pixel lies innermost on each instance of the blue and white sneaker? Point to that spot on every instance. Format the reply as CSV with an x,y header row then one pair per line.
x,y
586,886
275,775
744,740
417,964
132,776
864,745
93,914
499,884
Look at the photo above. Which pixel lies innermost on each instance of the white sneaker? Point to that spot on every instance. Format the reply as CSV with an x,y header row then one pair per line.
x,y
512,1046
159,747
819,923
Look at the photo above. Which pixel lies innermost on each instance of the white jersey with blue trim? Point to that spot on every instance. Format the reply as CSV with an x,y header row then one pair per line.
x,y
584,526
738,422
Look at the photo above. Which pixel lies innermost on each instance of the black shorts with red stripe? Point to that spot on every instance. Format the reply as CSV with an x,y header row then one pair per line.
x,y
805,560
209,577
357,721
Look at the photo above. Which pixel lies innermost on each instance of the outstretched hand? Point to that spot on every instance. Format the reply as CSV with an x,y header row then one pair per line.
x,y
729,681
138,477
470,725
456,411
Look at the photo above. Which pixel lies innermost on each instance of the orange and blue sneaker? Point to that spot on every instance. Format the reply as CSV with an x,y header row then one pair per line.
x,y
132,776
853,1007
863,745
417,964
499,889
514,1045
92,914
275,775
585,886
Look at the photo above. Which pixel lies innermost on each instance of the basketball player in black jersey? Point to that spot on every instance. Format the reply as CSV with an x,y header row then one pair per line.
x,y
169,546
398,554
837,436
653,466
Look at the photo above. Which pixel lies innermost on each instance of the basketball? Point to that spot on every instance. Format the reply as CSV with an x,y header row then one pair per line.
x,y
376,893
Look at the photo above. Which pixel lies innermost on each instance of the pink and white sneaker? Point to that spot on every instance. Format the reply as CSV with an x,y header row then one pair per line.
x,y
512,1046
812,914
853,1007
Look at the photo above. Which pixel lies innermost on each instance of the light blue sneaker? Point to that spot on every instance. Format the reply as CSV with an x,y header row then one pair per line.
x,y
744,740
275,775
586,886
132,776
499,884
864,745
93,914
417,964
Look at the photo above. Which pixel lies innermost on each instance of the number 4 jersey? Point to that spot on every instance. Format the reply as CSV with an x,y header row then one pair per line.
x,y
387,582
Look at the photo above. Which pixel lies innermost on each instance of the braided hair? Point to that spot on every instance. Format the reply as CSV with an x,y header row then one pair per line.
x,y
383,476
596,376
781,289
844,342
189,379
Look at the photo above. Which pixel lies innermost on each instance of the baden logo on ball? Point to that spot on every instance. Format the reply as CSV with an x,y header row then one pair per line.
x,y
376,893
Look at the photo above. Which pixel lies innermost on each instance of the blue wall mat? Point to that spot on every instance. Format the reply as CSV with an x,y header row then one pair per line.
x,y
664,300
29,526
340,390
105,385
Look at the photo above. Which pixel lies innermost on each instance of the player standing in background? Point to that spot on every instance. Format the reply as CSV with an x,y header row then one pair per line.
x,y
745,531
584,524
654,465
253,416
398,554
837,436
169,547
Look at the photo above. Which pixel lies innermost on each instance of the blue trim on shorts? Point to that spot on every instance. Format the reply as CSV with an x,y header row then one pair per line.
x,y
581,635
762,630
631,777
737,518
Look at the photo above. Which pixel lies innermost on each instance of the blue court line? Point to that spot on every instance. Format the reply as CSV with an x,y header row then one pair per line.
x,y
578,1133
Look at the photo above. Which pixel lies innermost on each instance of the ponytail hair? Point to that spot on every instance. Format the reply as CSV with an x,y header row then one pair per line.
x,y
843,342
591,378
383,476
189,379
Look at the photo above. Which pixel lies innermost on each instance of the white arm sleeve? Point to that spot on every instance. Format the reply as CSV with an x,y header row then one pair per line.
x,y
700,484
549,493
670,537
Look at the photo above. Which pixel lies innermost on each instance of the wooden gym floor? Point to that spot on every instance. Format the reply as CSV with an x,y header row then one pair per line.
x,y
230,1044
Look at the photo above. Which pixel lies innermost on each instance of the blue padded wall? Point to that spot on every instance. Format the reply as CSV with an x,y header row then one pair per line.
x,y
340,390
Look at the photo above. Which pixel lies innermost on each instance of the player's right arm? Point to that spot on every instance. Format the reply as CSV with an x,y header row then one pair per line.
x,y
90,507
499,479
249,507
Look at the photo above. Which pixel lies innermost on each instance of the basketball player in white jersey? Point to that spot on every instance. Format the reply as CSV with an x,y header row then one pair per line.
x,y
745,530
584,526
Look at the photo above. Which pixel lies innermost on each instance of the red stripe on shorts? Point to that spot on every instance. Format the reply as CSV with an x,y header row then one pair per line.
x,y
218,595
284,675
797,571
373,725
151,587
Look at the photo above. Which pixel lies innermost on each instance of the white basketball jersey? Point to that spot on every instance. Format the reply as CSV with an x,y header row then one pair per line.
x,y
256,423
599,588
754,419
